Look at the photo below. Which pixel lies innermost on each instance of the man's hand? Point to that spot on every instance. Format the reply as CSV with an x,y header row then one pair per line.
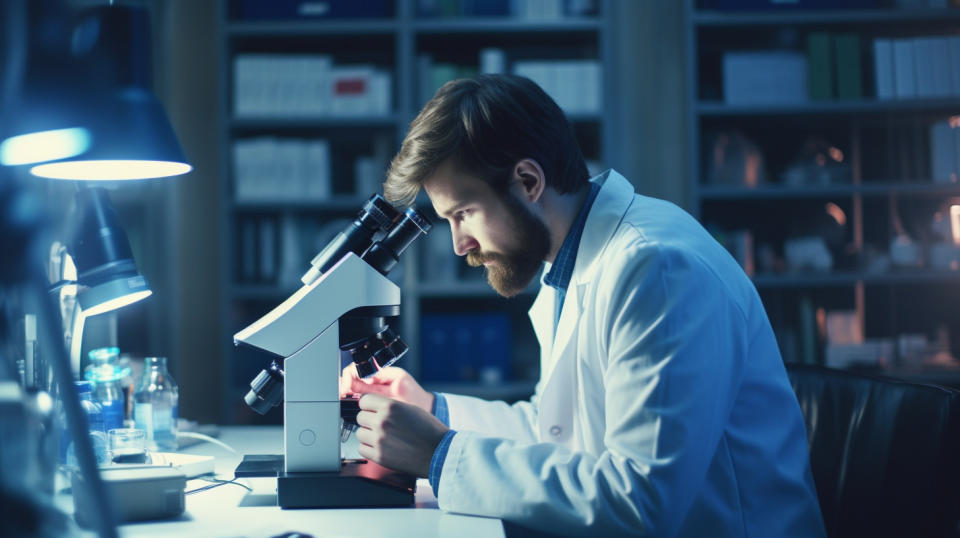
x,y
398,435
392,382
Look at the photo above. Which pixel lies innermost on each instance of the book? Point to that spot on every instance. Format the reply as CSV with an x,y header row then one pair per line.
x,y
953,53
940,52
924,65
883,69
904,69
943,163
955,128
820,62
849,77
268,251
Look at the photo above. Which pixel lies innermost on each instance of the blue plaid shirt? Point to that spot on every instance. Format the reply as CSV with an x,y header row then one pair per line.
x,y
558,278
560,273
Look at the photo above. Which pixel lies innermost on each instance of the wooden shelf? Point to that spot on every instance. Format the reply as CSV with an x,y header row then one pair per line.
x,y
500,25
816,280
284,28
815,17
317,122
720,109
773,192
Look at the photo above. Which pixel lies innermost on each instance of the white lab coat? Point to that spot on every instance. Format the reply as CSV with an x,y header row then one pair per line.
x,y
663,407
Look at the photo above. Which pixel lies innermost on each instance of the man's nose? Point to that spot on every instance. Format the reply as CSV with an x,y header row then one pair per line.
x,y
462,242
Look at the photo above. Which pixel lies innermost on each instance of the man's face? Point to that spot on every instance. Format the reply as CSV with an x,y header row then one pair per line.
x,y
497,232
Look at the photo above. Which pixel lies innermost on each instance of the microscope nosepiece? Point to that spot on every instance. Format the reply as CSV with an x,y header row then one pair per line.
x,y
367,367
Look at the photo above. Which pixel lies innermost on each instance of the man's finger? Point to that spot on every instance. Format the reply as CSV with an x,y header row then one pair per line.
x,y
365,437
366,419
367,452
358,386
372,402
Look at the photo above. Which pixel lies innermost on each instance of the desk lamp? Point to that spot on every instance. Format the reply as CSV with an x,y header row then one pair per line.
x,y
97,266
115,130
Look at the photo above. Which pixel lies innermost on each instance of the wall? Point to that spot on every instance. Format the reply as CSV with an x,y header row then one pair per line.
x,y
187,67
652,88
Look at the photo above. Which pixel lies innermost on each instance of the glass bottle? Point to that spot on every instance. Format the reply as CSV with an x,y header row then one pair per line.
x,y
98,436
105,374
155,404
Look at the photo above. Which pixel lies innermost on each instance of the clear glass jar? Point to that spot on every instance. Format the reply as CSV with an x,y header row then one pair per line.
x,y
105,374
155,404
98,436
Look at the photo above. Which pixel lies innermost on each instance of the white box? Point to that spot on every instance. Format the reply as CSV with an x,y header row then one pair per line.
x,y
351,89
751,78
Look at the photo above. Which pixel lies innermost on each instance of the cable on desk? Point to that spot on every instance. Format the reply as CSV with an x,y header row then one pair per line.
x,y
207,438
217,483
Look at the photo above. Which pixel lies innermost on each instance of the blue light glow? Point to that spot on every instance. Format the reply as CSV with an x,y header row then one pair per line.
x,y
44,146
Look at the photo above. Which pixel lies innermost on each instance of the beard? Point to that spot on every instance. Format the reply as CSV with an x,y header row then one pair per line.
x,y
510,272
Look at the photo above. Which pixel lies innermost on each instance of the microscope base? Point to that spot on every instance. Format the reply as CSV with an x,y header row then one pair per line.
x,y
360,483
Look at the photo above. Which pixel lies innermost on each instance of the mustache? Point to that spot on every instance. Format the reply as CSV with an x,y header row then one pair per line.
x,y
477,259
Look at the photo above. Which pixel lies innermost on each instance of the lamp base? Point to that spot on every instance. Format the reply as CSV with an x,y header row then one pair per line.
x,y
360,483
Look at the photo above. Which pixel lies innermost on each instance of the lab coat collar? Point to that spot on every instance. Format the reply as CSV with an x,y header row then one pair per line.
x,y
613,200
611,204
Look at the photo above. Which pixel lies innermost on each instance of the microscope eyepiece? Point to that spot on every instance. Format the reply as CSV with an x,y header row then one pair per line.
x,y
384,254
376,215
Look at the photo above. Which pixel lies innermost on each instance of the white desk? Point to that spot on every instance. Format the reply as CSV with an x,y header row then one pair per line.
x,y
230,510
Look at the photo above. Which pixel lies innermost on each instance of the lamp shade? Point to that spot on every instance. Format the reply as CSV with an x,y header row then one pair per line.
x,y
44,119
134,141
125,131
106,272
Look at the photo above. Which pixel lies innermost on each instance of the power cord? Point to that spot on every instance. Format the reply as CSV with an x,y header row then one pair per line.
x,y
216,483
207,438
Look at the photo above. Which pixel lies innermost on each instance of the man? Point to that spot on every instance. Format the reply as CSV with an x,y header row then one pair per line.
x,y
663,407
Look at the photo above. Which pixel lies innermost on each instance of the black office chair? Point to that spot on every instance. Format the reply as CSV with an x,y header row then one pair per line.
x,y
885,453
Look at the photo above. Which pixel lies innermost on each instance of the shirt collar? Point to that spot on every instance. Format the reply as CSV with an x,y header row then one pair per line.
x,y
561,271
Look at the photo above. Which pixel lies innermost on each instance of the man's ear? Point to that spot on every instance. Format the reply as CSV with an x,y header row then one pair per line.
x,y
528,176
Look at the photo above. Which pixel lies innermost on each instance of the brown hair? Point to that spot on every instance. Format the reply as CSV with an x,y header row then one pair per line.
x,y
486,125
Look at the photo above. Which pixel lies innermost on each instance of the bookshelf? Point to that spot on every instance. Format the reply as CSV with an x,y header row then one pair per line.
x,y
882,183
417,50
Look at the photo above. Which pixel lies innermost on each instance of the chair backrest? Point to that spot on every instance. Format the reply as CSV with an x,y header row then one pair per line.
x,y
885,454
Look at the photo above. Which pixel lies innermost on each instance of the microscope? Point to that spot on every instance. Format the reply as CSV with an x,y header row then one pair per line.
x,y
343,305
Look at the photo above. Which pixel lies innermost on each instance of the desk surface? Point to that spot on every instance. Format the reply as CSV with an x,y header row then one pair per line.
x,y
230,510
